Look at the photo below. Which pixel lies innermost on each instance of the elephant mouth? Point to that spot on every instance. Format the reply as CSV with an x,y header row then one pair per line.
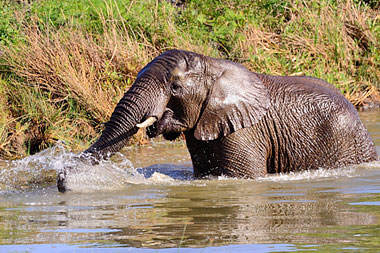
x,y
152,131
159,126
165,126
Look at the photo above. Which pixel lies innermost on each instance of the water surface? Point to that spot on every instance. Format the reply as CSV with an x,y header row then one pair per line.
x,y
121,204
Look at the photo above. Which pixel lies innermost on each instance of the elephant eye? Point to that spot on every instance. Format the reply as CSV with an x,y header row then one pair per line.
x,y
175,87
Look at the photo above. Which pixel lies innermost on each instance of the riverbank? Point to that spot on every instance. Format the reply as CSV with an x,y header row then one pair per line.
x,y
63,68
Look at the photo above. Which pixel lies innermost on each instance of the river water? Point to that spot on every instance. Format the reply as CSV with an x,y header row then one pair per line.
x,y
123,205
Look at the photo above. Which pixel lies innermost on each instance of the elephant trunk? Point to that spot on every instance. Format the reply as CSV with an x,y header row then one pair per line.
x,y
133,108
144,103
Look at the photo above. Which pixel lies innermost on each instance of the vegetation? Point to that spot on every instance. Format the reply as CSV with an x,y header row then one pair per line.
x,y
64,66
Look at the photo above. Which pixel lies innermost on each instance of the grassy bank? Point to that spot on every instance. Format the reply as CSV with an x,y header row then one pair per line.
x,y
63,67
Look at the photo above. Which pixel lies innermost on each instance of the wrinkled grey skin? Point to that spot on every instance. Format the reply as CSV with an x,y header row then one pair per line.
x,y
236,122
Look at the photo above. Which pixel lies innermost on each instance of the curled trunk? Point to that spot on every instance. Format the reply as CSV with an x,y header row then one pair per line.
x,y
131,110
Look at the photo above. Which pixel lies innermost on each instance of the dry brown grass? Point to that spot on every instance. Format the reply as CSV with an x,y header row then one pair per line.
x,y
67,62
331,42
11,132
64,66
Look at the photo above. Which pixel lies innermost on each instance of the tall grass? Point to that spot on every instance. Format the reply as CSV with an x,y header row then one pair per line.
x,y
337,43
65,82
63,68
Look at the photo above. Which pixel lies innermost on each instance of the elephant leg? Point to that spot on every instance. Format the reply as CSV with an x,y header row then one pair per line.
x,y
236,155
244,154
205,161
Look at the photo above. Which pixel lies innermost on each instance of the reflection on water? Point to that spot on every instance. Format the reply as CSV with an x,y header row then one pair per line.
x,y
372,121
121,205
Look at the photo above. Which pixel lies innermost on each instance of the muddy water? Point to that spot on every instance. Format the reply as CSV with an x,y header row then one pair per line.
x,y
118,205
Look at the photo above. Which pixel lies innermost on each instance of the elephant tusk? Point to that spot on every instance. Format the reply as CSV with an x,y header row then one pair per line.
x,y
148,122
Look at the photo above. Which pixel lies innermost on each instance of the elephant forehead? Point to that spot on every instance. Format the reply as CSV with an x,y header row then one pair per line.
x,y
163,67
177,72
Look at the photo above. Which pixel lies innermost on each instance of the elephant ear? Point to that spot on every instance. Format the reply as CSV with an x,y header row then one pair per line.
x,y
238,99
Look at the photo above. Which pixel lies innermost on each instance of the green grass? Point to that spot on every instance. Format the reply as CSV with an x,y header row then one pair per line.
x,y
56,57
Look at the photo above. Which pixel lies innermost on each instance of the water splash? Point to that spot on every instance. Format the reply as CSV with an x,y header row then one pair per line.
x,y
33,171
114,174
350,171
40,170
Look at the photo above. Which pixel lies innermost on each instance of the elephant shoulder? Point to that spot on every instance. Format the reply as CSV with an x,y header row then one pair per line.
x,y
309,80
308,94
299,85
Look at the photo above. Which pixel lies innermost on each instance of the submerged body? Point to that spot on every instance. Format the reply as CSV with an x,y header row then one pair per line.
x,y
236,122
309,125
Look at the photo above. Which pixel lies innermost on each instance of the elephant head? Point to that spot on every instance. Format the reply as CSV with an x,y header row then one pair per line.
x,y
180,91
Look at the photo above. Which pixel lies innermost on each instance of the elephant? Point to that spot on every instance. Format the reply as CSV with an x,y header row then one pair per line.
x,y
236,122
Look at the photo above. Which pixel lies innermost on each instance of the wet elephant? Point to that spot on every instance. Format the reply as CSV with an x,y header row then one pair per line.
x,y
236,122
